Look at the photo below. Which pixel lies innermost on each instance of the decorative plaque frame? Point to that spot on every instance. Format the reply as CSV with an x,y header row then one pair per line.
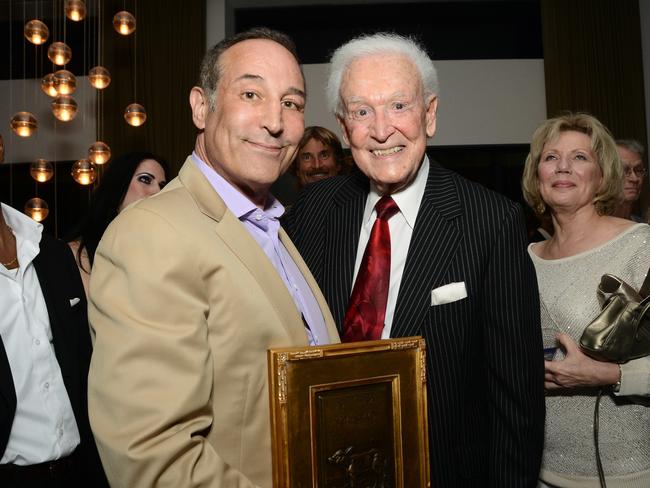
x,y
350,415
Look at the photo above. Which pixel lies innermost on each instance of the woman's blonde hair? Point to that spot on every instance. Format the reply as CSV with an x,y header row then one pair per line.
x,y
609,193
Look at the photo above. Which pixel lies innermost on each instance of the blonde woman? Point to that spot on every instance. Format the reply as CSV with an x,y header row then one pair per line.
x,y
573,174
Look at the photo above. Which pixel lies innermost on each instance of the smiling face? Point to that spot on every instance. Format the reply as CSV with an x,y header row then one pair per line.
x,y
148,179
316,161
632,182
386,121
252,135
569,175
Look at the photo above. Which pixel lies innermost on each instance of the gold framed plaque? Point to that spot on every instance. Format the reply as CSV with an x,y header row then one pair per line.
x,y
350,415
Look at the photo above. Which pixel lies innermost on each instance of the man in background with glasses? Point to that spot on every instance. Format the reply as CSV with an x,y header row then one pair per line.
x,y
631,154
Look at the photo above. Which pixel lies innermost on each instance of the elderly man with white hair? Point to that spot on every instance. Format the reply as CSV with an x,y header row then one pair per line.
x,y
404,247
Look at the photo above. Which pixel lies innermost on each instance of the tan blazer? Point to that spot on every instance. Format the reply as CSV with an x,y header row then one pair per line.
x,y
184,304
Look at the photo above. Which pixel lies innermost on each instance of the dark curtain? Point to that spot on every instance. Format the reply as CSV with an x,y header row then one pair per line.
x,y
170,43
593,62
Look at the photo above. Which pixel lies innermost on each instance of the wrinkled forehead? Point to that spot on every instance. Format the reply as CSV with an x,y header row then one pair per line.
x,y
263,59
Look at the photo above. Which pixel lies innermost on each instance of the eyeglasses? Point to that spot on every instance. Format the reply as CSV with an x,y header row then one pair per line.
x,y
639,171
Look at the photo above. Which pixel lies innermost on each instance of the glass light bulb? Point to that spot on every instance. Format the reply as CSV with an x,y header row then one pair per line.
x,y
75,10
41,170
37,209
124,22
36,32
47,85
99,152
59,53
65,82
135,114
99,77
83,172
64,108
23,124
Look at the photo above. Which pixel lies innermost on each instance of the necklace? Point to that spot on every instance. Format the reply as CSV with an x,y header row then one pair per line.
x,y
15,259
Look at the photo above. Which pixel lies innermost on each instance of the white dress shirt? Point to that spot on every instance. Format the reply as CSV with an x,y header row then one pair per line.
x,y
44,427
401,229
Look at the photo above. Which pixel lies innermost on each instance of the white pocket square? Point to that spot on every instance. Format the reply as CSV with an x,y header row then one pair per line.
x,y
448,293
74,301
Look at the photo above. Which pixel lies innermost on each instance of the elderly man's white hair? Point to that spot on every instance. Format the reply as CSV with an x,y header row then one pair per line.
x,y
380,43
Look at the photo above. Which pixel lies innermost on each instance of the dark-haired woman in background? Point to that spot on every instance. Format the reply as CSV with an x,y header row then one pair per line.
x,y
573,174
127,179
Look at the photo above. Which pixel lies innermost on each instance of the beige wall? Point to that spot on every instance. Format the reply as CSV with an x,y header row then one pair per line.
x,y
54,140
481,101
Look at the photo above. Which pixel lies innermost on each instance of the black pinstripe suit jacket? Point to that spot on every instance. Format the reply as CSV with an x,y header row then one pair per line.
x,y
484,353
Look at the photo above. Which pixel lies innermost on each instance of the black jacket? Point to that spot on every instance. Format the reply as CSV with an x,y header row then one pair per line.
x,y
59,278
484,353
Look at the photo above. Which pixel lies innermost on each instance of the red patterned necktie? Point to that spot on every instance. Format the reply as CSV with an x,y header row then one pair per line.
x,y
364,319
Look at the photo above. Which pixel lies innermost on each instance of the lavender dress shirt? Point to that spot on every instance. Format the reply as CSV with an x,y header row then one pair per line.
x,y
263,226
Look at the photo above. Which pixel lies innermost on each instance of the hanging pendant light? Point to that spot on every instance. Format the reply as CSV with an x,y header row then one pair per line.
x,y
23,124
64,108
135,114
124,23
99,152
36,32
37,209
75,10
41,170
65,82
47,85
59,53
99,77
83,172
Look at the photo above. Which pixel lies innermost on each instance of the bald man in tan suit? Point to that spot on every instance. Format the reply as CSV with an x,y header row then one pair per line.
x,y
186,295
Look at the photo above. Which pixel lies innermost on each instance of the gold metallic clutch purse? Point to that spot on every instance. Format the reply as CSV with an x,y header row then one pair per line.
x,y
621,331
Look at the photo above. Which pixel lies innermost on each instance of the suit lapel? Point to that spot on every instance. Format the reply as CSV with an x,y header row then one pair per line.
x,y
60,282
432,247
341,241
55,301
233,233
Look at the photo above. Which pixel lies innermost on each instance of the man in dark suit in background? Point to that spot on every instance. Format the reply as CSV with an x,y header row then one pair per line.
x,y
45,437
438,256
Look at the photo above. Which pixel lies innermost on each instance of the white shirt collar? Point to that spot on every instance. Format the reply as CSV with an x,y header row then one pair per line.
x,y
27,231
408,200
